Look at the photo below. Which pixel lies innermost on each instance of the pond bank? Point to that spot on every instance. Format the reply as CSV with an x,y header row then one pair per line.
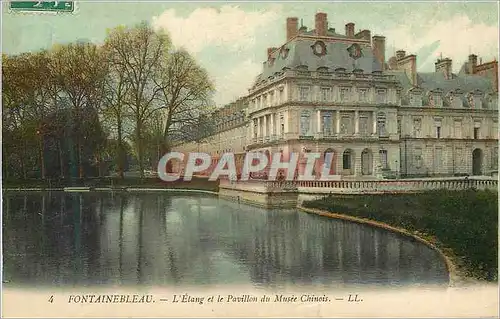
x,y
462,225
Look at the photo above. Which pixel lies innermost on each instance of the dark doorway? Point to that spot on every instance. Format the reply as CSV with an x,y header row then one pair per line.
x,y
477,162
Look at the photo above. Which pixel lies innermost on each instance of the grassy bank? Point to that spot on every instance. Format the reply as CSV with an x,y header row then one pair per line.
x,y
114,182
463,223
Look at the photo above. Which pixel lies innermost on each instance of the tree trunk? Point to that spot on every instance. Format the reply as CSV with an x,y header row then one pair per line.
x,y
42,157
99,163
23,163
80,162
121,150
139,148
61,162
164,149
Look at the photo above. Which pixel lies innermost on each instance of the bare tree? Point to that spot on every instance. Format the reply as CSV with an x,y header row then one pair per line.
x,y
117,94
139,52
185,92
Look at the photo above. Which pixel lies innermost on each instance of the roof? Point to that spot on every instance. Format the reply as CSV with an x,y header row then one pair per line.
x,y
436,80
337,56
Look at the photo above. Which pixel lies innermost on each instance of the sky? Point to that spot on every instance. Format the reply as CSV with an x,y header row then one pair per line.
x,y
229,39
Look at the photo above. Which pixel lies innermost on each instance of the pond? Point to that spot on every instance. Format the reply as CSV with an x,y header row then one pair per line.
x,y
166,239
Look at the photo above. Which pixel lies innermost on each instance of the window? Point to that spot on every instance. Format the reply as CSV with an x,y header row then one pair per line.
x,y
417,158
344,94
327,124
399,125
477,102
494,159
363,125
477,126
383,159
346,160
282,124
457,129
437,124
345,124
363,95
325,94
415,100
435,100
304,93
494,128
305,123
417,127
381,125
381,95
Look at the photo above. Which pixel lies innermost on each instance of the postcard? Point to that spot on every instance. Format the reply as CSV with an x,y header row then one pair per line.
x,y
249,159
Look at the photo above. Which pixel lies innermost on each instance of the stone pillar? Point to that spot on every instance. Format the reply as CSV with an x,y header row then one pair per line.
x,y
374,119
273,117
319,121
265,133
356,122
259,128
357,163
337,119
252,129
287,120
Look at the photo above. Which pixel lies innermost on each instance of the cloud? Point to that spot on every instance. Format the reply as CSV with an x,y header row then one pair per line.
x,y
458,37
235,82
228,26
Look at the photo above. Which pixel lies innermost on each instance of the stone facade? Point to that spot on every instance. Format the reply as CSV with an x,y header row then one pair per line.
x,y
327,92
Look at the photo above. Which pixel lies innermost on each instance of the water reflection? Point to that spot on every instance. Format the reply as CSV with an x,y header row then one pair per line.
x,y
162,239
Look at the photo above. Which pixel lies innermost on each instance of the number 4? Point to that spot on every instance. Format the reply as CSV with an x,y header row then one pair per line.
x,y
51,299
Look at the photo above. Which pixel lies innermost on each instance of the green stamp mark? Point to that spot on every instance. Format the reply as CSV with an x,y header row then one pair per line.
x,y
42,6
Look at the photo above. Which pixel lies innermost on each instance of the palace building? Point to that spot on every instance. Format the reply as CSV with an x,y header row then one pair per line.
x,y
329,92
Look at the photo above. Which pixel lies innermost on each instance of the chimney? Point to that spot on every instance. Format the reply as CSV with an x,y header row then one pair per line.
x,y
349,30
407,63
365,35
378,47
270,51
292,28
321,24
471,66
444,65
400,54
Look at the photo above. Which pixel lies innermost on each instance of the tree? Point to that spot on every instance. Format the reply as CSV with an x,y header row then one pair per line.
x,y
185,92
116,92
138,52
79,69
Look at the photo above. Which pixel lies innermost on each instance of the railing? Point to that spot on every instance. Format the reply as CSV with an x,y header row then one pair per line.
x,y
322,74
367,186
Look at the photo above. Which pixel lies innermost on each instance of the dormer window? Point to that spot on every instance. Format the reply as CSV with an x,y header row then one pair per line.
x,y
415,99
435,100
